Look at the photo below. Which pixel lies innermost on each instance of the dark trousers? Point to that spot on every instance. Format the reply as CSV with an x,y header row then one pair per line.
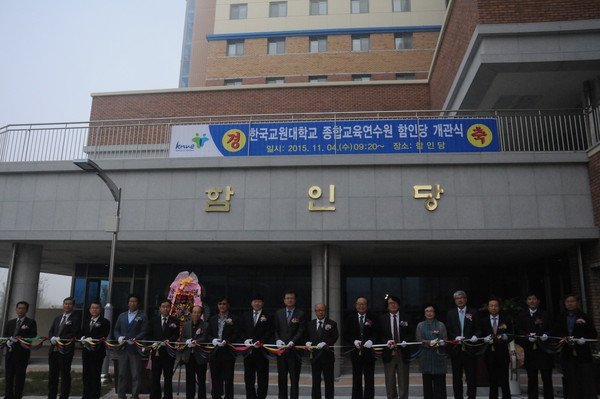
x,y
59,365
498,376
579,379
288,363
463,362
162,364
363,365
195,375
256,370
16,369
532,383
221,373
92,370
324,367
434,386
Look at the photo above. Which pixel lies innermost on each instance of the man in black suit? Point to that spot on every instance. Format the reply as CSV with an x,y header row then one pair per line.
x,y
462,324
576,357
95,327
162,328
222,329
290,330
64,328
498,331
322,333
536,324
360,331
394,331
17,357
257,329
194,331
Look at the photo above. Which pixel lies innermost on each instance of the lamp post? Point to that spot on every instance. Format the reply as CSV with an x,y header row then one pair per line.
x,y
112,225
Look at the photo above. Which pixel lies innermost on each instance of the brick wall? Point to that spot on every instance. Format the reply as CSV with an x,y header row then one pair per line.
x,y
520,11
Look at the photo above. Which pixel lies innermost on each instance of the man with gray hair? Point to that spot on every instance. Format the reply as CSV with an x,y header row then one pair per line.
x,y
461,322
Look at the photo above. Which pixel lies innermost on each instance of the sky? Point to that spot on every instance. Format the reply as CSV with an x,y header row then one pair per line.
x,y
54,54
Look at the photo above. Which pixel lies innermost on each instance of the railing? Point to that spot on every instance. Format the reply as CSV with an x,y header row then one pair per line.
x,y
518,130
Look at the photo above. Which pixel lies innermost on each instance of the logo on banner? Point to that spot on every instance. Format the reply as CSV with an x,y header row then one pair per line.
x,y
200,140
480,135
234,140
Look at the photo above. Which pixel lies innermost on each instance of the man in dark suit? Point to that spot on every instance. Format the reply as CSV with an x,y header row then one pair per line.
x,y
131,326
576,357
322,333
194,331
64,328
257,329
462,324
17,357
162,328
394,331
360,331
222,329
536,324
498,331
290,330
95,327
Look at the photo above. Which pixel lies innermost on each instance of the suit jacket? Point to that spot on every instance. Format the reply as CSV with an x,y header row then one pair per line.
x,y
470,329
70,329
539,324
329,335
371,331
100,329
137,329
199,334
498,349
294,331
28,329
262,332
387,334
155,332
583,328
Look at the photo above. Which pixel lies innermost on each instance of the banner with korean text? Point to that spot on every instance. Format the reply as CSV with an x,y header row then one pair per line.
x,y
335,137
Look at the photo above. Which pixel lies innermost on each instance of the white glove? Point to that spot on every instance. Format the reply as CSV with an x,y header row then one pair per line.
x,y
256,344
433,342
390,344
308,345
504,337
473,339
544,337
280,343
321,345
162,343
121,339
248,342
222,343
459,338
369,344
216,341
290,344
403,344
9,343
190,343
488,339
13,339
531,337
82,338
53,340
357,343
131,341
442,343
581,341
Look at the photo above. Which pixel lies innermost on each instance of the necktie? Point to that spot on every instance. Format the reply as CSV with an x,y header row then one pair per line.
x,y
461,316
495,325
164,324
396,335
362,325
92,322
62,322
320,329
255,317
17,327
289,315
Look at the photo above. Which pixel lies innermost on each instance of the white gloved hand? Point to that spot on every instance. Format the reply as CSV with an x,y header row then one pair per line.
x,y
216,341
82,338
357,344
473,339
390,344
488,339
433,342
162,343
531,337
190,343
53,340
121,339
321,345
131,341
13,339
459,338
308,345
248,342
544,337
257,344
222,343
504,337
581,341
369,344
9,343
442,343
280,343
290,344
403,344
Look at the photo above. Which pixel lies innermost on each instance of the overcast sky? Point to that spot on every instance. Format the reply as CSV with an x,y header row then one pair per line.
x,y
55,53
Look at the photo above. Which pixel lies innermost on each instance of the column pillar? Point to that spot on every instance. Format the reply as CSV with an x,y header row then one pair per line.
x,y
23,278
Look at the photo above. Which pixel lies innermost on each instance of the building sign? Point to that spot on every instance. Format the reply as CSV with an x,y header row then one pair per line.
x,y
335,137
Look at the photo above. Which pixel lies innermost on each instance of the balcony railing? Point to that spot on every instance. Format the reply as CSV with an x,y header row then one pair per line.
x,y
526,130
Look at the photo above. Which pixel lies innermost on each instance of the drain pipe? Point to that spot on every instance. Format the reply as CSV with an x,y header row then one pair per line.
x,y
581,280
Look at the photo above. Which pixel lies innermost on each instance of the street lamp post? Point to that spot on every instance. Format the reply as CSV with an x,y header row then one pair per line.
x,y
112,225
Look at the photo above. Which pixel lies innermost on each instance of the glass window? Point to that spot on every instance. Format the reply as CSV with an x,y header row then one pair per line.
x,y
318,44
317,79
361,78
235,47
276,46
403,41
275,80
318,7
400,5
233,82
405,76
278,9
359,6
360,43
238,11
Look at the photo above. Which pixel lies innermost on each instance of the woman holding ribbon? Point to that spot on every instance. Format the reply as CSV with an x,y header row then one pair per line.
x,y
432,333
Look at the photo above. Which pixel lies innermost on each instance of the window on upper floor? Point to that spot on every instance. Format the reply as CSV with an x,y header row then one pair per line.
x,y
238,11
318,7
403,41
400,5
277,9
233,82
276,46
359,6
235,47
317,79
361,43
405,76
318,44
273,81
361,78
